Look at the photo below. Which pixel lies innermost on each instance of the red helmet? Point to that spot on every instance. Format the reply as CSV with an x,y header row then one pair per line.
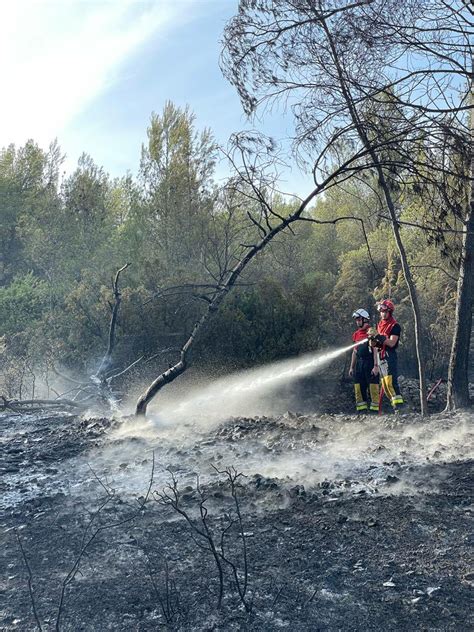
x,y
386,304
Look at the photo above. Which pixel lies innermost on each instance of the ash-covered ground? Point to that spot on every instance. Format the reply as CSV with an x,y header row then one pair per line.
x,y
347,523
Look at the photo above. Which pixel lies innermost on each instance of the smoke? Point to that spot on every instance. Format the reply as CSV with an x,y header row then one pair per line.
x,y
339,453
353,447
384,455
229,422
191,428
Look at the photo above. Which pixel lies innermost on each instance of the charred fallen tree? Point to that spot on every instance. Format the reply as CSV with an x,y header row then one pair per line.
x,y
36,405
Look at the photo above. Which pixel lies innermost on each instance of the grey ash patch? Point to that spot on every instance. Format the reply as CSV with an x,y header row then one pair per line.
x,y
379,539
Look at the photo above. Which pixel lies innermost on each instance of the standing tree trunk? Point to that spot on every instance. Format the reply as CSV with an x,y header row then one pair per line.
x,y
107,359
458,384
359,126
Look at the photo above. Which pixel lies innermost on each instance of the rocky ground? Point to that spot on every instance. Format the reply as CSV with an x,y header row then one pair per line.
x,y
346,523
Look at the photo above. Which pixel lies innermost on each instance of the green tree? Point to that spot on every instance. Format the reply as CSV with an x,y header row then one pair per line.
x,y
176,178
28,188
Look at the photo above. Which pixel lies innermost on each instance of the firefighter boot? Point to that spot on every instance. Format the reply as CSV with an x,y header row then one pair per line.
x,y
374,398
395,398
361,404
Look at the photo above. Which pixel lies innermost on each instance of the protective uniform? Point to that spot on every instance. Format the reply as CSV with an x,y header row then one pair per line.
x,y
366,385
388,362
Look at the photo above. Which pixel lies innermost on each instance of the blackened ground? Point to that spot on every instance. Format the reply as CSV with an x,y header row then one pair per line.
x,y
386,545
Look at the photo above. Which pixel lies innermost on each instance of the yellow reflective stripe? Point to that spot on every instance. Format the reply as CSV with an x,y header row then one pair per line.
x,y
362,406
388,386
374,396
358,394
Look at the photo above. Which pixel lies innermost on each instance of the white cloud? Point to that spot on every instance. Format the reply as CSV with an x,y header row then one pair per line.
x,y
60,55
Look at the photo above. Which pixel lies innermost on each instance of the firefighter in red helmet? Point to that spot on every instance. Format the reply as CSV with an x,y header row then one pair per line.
x,y
385,341
366,383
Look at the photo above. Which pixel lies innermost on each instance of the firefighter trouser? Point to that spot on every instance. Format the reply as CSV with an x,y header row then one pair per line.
x,y
366,386
390,381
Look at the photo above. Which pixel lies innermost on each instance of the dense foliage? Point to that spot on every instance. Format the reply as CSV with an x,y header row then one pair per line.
x,y
63,241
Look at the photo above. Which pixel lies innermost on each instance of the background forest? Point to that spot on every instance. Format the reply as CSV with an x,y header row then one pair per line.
x,y
63,238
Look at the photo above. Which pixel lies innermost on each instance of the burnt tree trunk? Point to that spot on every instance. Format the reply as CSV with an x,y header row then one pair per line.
x,y
458,371
106,360
359,126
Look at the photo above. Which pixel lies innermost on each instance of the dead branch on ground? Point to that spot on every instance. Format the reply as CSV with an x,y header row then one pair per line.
x,y
21,406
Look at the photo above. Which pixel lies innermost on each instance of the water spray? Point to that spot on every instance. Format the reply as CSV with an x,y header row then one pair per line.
x,y
306,367
245,392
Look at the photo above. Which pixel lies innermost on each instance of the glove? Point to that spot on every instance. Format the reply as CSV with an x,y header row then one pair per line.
x,y
377,340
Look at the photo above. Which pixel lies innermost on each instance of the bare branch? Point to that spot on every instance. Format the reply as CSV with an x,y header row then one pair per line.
x,y
30,581
340,219
113,323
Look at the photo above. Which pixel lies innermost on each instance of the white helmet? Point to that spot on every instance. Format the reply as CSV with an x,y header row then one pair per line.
x,y
361,313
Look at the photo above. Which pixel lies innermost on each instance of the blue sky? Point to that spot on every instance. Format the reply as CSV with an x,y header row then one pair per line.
x,y
90,72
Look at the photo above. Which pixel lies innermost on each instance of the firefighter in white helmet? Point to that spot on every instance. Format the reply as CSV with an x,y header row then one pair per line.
x,y
366,384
